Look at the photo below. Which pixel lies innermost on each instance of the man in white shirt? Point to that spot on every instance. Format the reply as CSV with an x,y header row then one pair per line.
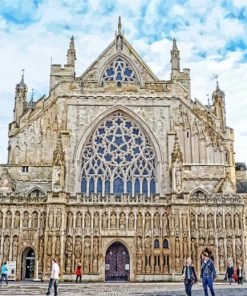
x,y
54,277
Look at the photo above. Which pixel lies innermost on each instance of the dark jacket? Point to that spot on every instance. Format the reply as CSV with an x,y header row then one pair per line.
x,y
238,272
230,271
191,273
208,269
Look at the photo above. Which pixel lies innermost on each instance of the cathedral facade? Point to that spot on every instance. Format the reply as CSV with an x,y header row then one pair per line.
x,y
120,171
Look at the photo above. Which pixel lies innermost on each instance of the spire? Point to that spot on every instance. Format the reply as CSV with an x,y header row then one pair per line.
x,y
174,45
58,154
119,35
218,92
119,26
176,153
71,53
175,57
21,83
31,102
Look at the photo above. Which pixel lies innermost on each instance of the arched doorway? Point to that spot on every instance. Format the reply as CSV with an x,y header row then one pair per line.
x,y
28,264
117,263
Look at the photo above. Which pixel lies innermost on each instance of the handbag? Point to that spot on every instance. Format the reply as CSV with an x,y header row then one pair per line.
x,y
225,278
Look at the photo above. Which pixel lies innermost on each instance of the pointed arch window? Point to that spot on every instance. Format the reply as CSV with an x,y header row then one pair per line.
x,y
120,71
118,158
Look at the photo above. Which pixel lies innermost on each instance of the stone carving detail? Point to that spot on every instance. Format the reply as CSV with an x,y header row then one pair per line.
x,y
165,223
58,246
95,254
148,249
7,184
219,221
122,221
221,255
59,220
78,220
131,224
113,221
236,222
42,220
1,219
201,224
34,220
228,222
238,251
87,254
51,220
229,248
177,255
78,250
15,248
49,246
8,221
70,220
87,220
139,252
156,221
16,220
139,220
148,221
104,221
96,220
6,248
210,221
177,166
68,254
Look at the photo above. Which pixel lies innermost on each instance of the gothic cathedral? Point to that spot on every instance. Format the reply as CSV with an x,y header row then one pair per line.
x,y
120,171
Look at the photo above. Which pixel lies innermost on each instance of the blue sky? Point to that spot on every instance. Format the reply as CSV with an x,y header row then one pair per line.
x,y
211,35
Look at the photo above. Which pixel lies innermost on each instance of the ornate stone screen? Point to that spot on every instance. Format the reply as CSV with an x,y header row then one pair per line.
x,y
118,158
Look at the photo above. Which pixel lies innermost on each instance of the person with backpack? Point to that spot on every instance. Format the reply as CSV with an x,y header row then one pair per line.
x,y
4,273
208,274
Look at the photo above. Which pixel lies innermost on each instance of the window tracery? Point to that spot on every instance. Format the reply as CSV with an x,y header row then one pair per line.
x,y
120,71
118,158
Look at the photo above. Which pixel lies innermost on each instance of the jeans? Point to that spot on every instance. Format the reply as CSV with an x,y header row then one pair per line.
x,y
55,283
207,281
240,280
230,279
78,277
188,286
4,277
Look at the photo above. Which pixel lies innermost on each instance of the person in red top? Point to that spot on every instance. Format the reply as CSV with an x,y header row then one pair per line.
x,y
78,273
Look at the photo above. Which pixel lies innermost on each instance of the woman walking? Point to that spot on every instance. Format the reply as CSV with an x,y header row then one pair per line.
x,y
240,275
189,276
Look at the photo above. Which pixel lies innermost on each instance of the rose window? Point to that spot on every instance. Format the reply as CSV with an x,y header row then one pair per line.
x,y
118,158
119,70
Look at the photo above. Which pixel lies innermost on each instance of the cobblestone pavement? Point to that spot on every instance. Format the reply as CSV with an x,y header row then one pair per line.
x,y
113,289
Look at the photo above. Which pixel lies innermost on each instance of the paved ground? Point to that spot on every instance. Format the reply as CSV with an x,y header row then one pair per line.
x,y
113,289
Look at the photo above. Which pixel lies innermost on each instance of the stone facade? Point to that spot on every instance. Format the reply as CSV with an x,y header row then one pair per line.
x,y
116,157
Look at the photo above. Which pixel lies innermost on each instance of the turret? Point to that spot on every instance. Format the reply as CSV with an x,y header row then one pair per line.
x,y
175,57
218,98
71,54
20,99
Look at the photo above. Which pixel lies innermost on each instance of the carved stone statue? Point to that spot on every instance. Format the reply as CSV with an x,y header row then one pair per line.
x,y
184,221
50,220
87,252
68,252
17,220
165,223
35,220
157,221
122,221
6,247
58,246
201,221
229,248
176,220
59,220
148,221
49,246
192,222
87,220
131,221
42,220
96,221
178,178
221,255
185,247
1,219
113,222
177,247
193,250
78,249
228,221
69,220
139,220
219,221
238,250
41,247
25,219
210,221
236,222
139,246
78,220
104,221
15,248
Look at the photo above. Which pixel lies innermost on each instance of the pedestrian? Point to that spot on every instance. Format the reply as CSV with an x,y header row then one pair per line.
x,y
189,276
4,273
240,275
208,274
54,278
78,273
230,272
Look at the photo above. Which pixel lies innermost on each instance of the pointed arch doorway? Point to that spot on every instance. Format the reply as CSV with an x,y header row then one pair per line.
x,y
117,263
28,264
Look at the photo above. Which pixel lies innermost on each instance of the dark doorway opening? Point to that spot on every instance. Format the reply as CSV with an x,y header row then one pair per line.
x,y
28,264
117,263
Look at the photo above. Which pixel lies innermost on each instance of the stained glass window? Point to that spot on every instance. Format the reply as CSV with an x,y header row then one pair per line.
x,y
119,70
118,158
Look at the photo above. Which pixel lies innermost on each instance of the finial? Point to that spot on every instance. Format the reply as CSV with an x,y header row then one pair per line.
x,y
119,26
216,76
208,100
22,77
32,95
174,45
71,54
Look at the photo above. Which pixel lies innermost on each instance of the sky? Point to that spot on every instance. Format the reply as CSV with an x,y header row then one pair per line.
x,y
211,36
